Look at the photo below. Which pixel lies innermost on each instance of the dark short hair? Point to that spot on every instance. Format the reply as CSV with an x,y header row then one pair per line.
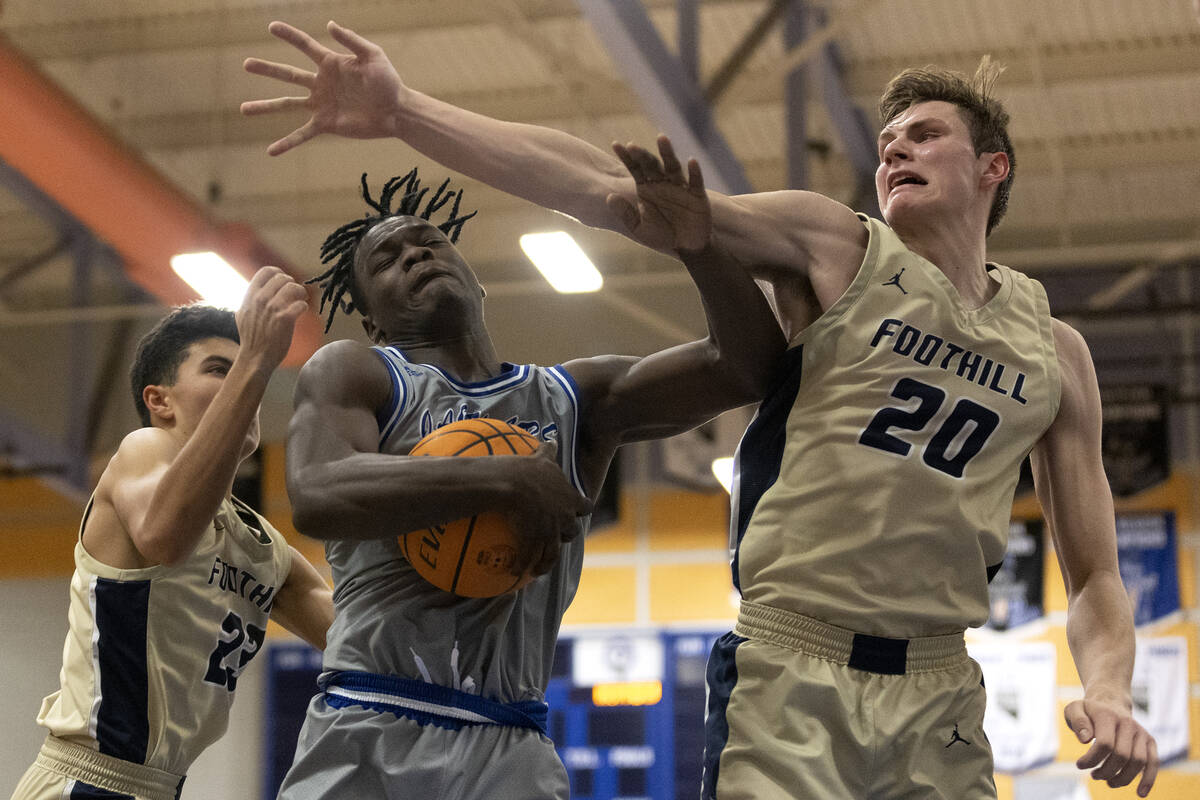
x,y
165,347
985,117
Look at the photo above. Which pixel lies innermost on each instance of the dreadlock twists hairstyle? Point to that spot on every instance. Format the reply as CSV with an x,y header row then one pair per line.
x,y
339,247
985,117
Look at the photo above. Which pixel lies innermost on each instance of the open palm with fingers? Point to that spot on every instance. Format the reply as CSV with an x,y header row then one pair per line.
x,y
665,194
353,94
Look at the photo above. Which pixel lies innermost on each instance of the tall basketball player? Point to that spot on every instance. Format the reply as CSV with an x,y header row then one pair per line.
x,y
429,695
876,483
174,577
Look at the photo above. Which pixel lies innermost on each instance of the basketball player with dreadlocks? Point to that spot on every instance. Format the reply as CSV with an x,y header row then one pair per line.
x,y
876,483
175,577
425,694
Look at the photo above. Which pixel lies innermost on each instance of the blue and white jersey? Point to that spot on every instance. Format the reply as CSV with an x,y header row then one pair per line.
x,y
388,619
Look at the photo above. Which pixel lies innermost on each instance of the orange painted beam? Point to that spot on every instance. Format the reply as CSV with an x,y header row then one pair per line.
x,y
71,156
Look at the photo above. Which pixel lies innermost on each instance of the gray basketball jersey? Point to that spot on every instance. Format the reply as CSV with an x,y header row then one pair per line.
x,y
388,619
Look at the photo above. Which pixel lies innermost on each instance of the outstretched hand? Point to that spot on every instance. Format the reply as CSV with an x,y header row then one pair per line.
x,y
665,194
355,94
1121,747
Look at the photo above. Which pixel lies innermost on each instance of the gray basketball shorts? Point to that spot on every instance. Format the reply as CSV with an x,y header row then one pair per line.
x,y
359,752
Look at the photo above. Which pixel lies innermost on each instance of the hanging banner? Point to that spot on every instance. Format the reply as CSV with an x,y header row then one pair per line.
x,y
1021,720
1135,440
1149,569
1015,591
1160,693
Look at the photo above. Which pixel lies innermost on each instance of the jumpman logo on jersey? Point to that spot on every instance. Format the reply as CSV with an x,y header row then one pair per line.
x,y
954,737
895,281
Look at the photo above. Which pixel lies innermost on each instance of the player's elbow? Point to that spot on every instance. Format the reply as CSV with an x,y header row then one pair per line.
x,y
311,512
319,510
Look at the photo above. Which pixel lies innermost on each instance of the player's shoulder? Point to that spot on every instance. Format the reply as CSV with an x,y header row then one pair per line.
x,y
338,353
343,369
143,448
595,375
1069,343
140,453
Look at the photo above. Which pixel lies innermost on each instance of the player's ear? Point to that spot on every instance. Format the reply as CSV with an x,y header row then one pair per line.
x,y
482,291
996,168
158,402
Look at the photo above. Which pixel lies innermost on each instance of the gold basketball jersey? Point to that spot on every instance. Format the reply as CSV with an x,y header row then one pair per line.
x,y
875,485
153,655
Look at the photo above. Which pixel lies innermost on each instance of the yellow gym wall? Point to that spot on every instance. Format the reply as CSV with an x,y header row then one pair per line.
x,y
665,564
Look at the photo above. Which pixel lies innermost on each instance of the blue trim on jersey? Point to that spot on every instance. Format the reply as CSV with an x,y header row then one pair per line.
x,y
510,376
564,379
421,701
398,401
760,453
720,676
123,721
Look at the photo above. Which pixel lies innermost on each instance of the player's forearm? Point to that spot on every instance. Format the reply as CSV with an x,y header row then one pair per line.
x,y
375,496
307,614
742,327
542,165
199,478
1101,636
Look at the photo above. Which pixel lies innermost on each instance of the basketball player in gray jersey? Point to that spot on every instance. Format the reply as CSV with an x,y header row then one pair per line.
x,y
876,483
426,694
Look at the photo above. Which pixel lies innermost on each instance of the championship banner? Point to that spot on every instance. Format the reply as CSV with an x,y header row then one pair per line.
x,y
1160,693
1135,440
1015,592
1147,558
1021,720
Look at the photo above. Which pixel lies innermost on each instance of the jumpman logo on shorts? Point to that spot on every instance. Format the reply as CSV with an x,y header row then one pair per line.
x,y
895,281
954,737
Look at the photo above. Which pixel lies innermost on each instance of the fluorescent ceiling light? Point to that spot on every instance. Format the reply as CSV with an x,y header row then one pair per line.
x,y
212,277
562,262
722,469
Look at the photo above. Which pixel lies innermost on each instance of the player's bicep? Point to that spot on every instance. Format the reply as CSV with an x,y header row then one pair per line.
x,y
337,395
629,399
788,234
1069,469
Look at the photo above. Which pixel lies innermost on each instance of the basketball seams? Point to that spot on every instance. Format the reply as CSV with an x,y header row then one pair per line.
x,y
479,439
462,553
444,442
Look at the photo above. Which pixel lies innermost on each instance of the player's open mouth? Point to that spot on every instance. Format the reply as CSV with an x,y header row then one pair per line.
x,y
904,179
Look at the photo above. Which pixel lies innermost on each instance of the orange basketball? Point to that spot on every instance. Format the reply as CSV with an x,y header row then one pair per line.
x,y
471,557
